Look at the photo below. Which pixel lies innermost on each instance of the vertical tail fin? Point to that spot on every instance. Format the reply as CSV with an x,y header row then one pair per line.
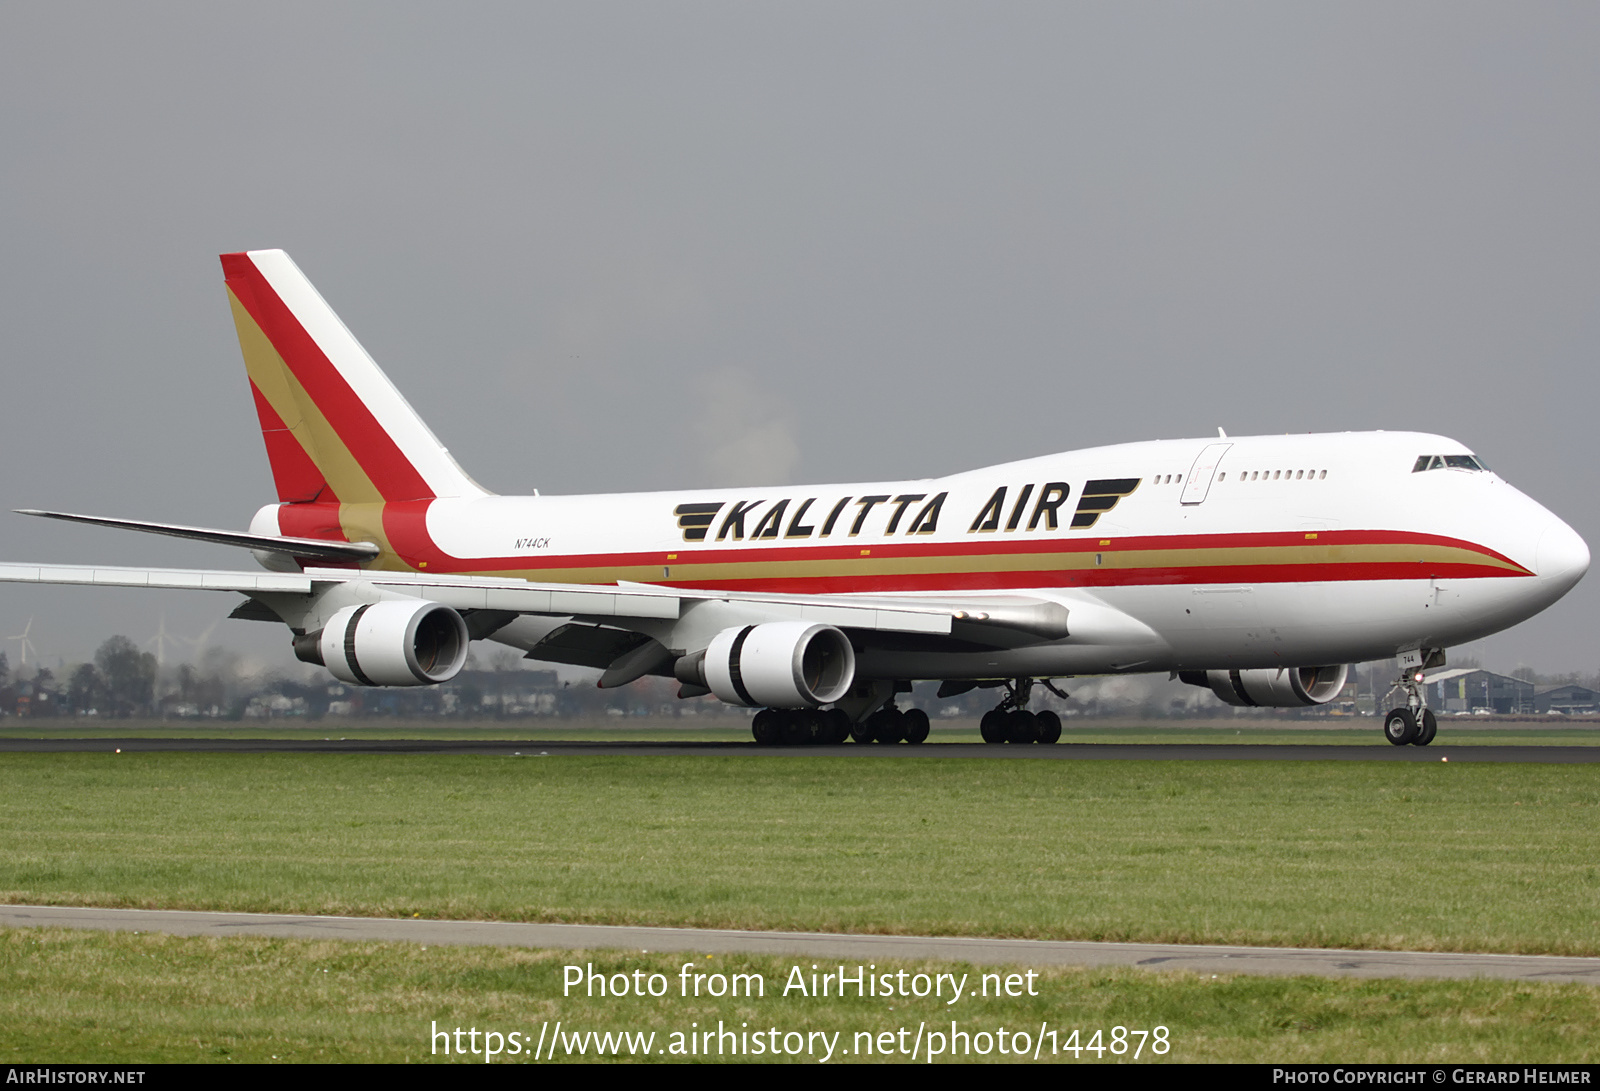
x,y
336,429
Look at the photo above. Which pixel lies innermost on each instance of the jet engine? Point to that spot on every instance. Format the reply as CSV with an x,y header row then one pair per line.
x,y
780,664
390,643
1279,687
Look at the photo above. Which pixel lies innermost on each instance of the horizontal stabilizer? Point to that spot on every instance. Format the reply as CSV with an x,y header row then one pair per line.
x,y
314,548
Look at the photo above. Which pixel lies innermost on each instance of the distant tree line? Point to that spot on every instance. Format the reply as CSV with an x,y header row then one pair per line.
x,y
119,682
124,681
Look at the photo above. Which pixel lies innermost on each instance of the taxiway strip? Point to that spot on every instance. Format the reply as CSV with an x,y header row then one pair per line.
x,y
1268,961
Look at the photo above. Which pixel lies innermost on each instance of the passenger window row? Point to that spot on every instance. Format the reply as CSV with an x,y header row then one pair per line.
x,y
1274,475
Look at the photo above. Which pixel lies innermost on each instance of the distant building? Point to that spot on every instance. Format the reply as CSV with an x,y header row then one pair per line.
x,y
1466,689
1568,700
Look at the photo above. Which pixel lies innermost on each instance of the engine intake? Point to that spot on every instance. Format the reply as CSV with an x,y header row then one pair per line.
x,y
780,664
1280,687
390,643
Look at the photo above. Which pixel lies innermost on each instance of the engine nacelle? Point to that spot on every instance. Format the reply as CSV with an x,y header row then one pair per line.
x,y
780,664
1278,687
392,643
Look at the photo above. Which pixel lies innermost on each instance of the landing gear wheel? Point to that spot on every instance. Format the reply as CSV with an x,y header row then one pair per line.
x,y
1049,727
1400,726
835,727
1021,727
993,726
796,728
1427,728
765,727
914,724
891,725
865,731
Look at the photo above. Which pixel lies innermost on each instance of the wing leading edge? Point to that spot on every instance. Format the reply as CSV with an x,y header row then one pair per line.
x,y
484,593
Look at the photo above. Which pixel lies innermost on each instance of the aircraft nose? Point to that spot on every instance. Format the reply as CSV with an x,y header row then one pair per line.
x,y
1562,558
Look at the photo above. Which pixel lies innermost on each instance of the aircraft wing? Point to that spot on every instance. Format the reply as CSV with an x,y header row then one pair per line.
x,y
1021,615
182,578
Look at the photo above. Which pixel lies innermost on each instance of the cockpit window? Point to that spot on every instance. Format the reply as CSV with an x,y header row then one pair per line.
x,y
1448,462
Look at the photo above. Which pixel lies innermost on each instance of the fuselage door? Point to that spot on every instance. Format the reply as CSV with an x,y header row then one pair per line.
x,y
1198,483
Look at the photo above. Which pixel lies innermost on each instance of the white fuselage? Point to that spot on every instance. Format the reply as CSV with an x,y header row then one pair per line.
x,y
1168,555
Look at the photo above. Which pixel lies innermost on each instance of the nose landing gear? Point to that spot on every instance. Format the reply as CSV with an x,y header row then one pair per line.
x,y
1010,721
1413,724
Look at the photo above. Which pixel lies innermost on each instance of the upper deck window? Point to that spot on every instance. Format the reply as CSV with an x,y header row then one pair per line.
x,y
1448,462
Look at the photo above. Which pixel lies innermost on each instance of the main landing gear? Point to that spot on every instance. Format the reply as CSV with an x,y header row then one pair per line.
x,y
1412,724
800,727
1010,720
892,725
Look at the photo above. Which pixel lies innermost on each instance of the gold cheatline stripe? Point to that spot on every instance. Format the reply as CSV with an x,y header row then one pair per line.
x,y
756,568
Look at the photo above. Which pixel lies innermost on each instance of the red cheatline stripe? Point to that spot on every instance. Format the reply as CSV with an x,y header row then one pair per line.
x,y
372,447
319,520
1009,581
406,526
1005,581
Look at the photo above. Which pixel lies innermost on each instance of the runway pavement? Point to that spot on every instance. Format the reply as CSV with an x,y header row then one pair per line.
x,y
1269,961
1379,751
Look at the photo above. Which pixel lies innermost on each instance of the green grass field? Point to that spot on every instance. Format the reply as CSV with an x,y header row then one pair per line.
x,y
1430,856
1427,856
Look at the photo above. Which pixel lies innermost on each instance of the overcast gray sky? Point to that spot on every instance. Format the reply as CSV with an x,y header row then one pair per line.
x,y
869,240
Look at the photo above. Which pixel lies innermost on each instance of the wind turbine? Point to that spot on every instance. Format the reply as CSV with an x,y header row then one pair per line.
x,y
26,644
198,644
161,640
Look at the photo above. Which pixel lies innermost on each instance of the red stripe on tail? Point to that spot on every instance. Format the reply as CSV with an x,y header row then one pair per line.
x,y
373,449
297,478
